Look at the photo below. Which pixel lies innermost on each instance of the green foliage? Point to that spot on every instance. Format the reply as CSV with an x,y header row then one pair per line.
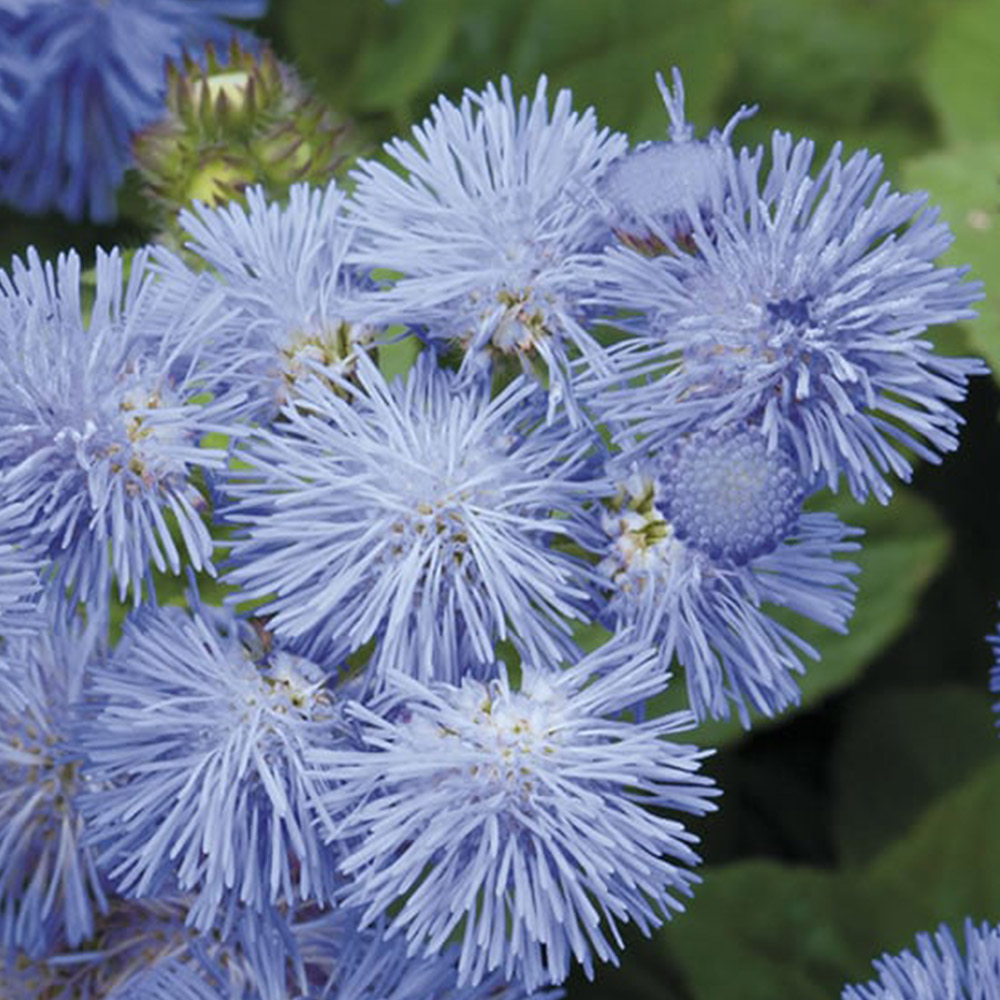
x,y
964,182
898,752
962,71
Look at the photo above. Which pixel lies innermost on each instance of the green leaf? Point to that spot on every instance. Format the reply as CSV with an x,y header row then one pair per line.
x,y
371,57
608,52
964,182
948,860
962,71
904,545
900,750
761,930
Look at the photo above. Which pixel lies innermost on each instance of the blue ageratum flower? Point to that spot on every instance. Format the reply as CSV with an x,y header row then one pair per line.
x,y
697,541
196,749
939,970
495,202
529,823
295,302
802,310
78,79
654,186
49,885
420,513
101,420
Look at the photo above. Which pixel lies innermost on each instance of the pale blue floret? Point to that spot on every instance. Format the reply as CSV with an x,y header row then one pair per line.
x,y
658,185
803,310
295,302
196,754
49,885
421,513
101,421
528,822
484,227
938,970
697,541
78,79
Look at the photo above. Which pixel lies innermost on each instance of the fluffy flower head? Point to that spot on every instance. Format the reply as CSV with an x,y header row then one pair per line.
x,y
697,540
519,819
421,513
99,431
196,749
801,311
497,201
49,887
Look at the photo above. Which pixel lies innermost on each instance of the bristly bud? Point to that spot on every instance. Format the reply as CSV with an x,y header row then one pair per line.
x,y
232,122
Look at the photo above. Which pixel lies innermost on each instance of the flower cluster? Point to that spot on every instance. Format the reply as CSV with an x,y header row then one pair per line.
x,y
391,760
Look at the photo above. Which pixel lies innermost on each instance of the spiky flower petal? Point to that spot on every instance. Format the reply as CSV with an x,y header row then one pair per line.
x,y
938,970
529,822
196,753
100,421
496,202
418,513
802,311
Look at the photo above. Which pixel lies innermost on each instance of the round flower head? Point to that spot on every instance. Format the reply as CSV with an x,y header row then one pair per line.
x,y
196,754
801,312
49,885
78,79
658,185
99,428
294,300
419,513
939,970
520,821
696,541
496,203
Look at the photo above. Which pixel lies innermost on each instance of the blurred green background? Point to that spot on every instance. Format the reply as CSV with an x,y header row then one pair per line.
x,y
873,811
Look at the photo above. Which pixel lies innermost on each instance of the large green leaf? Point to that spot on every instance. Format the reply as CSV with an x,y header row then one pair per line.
x,y
964,182
608,53
899,751
371,57
962,71
948,860
904,545
761,930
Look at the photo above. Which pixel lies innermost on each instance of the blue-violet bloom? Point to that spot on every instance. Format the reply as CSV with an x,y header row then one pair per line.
x,y
495,203
420,512
196,752
101,421
527,822
802,310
